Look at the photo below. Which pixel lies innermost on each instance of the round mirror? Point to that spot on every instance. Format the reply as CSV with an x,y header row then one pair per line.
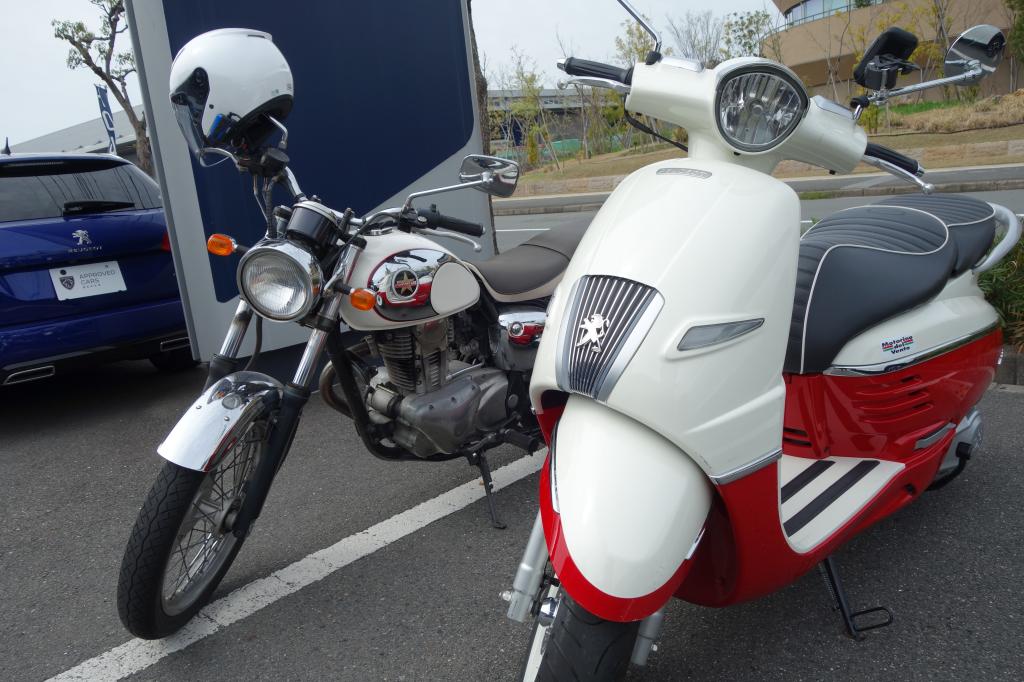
x,y
977,52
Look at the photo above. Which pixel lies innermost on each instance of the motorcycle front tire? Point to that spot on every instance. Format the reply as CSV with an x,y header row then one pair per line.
x,y
583,647
181,544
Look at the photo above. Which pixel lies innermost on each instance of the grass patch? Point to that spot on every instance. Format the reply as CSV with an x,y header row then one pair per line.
x,y
811,196
1004,288
918,107
992,112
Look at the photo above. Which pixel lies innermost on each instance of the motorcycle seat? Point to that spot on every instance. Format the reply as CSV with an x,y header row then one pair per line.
x,y
863,265
532,269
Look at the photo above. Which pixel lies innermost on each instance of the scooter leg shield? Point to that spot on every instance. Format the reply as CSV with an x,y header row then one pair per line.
x,y
623,510
209,424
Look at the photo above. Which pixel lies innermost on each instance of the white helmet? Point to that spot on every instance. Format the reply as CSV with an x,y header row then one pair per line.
x,y
224,84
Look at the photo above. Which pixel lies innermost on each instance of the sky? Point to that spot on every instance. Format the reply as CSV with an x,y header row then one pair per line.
x,y
43,95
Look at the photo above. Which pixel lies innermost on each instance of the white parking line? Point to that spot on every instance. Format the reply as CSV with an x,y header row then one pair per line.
x,y
526,229
138,654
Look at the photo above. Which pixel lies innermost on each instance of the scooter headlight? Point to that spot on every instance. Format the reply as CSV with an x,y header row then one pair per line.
x,y
280,280
757,106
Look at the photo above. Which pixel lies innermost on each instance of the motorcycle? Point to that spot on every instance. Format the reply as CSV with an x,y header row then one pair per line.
x,y
725,402
430,356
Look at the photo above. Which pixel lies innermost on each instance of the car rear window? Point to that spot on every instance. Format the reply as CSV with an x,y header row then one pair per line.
x,y
33,189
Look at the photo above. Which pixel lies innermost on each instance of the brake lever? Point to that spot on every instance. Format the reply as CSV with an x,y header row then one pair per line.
x,y
591,82
451,235
901,173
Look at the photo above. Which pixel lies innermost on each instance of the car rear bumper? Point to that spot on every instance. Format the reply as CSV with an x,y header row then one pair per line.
x,y
36,351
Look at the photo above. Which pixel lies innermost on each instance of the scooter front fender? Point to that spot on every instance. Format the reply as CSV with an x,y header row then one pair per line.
x,y
209,424
623,510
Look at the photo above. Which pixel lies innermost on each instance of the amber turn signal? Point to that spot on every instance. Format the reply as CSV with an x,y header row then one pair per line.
x,y
362,299
220,245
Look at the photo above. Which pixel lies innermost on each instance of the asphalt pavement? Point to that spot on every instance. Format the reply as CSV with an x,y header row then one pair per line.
x,y
421,603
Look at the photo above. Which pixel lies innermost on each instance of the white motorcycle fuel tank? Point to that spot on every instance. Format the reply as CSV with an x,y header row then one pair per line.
x,y
415,281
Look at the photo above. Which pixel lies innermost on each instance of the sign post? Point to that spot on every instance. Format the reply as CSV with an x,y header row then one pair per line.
x,y
107,117
385,105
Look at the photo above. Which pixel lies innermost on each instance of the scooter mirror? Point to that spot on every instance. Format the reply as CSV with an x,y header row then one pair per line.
x,y
496,176
976,53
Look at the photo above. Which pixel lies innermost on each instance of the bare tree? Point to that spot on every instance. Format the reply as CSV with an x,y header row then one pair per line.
x,y
698,35
98,53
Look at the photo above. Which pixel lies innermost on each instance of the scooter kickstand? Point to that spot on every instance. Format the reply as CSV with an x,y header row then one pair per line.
x,y
830,572
480,461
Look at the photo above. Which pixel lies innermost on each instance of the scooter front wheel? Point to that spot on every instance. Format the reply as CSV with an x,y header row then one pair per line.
x,y
579,646
181,545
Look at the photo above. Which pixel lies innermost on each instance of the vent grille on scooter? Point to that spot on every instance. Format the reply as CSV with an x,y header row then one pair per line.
x,y
608,318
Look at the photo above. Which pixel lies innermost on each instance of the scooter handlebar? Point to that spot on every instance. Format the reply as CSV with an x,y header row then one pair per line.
x,y
584,67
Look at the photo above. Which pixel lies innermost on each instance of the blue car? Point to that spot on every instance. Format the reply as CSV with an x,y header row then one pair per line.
x,y
86,274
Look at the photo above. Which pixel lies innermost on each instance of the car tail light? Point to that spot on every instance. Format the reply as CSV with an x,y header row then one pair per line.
x,y
165,245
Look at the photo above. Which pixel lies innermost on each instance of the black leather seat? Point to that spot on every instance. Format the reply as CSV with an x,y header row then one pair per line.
x,y
971,222
859,267
532,269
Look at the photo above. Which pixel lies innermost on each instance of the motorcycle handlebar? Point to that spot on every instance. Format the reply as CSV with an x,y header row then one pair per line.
x,y
585,67
435,219
892,156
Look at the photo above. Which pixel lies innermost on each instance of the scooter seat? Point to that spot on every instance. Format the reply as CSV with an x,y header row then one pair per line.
x,y
971,222
532,269
863,265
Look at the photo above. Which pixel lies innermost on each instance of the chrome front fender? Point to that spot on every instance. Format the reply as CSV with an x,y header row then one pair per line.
x,y
209,424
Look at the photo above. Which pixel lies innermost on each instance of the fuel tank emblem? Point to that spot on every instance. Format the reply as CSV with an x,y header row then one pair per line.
x,y
405,283
593,329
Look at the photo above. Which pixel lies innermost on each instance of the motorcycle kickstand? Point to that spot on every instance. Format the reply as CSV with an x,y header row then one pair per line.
x,y
830,572
479,460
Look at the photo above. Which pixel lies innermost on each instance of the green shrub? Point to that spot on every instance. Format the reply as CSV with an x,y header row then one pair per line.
x,y
1004,287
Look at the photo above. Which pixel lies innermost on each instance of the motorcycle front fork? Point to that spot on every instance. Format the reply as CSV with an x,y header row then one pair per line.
x,y
524,597
289,410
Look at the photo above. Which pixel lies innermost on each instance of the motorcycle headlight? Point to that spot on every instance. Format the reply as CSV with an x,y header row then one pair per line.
x,y
280,280
758,106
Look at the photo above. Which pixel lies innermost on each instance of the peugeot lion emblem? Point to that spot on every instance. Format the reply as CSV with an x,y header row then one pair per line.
x,y
82,236
67,281
593,329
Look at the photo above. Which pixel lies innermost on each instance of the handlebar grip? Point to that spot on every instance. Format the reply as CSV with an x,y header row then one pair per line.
x,y
894,157
585,67
436,219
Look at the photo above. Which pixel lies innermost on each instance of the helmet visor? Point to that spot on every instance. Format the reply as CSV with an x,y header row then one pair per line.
x,y
189,127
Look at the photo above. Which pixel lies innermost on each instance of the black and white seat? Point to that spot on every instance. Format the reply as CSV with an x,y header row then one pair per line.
x,y
863,265
532,269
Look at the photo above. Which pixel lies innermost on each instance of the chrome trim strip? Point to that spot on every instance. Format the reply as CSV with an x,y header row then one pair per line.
x,y
630,346
747,469
562,362
935,437
734,331
909,361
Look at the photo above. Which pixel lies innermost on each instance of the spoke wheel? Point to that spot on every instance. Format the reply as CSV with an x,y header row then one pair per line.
x,y
182,545
204,541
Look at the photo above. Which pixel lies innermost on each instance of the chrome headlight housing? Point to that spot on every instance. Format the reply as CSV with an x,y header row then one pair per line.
x,y
280,280
757,106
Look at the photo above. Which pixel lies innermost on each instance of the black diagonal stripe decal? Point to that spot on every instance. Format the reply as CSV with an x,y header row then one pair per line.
x,y
801,480
828,496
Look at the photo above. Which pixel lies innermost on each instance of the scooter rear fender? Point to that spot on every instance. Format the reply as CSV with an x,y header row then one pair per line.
x,y
209,424
623,510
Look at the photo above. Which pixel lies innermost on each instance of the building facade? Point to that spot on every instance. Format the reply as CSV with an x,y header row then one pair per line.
x,y
821,40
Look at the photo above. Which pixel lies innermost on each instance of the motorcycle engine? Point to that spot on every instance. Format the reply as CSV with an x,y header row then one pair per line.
x,y
432,390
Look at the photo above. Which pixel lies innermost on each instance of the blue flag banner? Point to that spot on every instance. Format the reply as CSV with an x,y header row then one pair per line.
x,y
107,117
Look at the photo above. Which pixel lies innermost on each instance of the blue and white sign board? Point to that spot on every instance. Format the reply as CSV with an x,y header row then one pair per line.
x,y
384,106
108,118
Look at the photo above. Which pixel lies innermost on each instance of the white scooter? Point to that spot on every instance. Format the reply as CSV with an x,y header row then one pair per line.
x,y
725,402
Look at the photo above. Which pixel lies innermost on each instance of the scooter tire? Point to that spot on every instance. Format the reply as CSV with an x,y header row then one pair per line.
x,y
586,648
140,603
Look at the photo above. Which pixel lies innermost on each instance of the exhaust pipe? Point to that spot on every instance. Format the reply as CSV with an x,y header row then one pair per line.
x,y
174,344
26,375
